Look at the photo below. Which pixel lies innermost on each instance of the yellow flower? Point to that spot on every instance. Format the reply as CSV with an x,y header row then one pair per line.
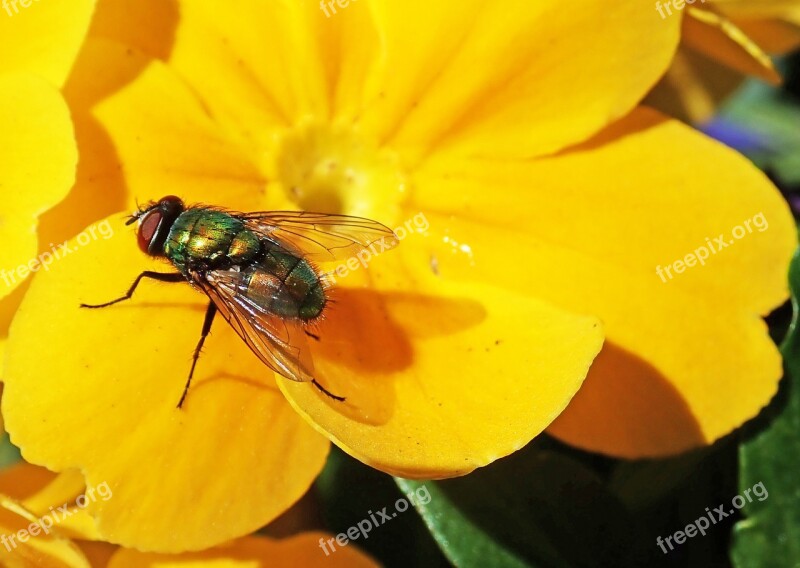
x,y
545,199
41,526
722,42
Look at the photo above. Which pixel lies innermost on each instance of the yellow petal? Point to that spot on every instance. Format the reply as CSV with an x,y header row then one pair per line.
x,y
23,480
26,543
236,455
78,524
773,35
718,38
686,359
43,37
256,68
316,57
252,552
143,134
147,25
485,77
37,168
428,367
8,307
762,8
511,78
40,492
98,553
62,490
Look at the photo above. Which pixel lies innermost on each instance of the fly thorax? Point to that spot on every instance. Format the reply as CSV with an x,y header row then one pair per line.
x,y
244,247
204,237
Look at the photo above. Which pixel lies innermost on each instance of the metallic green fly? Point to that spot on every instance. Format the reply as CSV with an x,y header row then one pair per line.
x,y
257,269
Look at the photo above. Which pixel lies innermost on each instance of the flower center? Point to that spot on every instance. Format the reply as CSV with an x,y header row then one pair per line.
x,y
334,169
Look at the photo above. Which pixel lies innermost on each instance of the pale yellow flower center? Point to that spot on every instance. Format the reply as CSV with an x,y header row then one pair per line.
x,y
334,169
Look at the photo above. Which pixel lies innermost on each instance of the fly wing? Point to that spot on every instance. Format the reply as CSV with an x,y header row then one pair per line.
x,y
318,236
280,343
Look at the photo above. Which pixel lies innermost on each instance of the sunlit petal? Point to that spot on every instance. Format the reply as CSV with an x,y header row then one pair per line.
x,y
642,195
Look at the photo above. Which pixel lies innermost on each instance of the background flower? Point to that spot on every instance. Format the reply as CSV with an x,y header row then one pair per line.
x,y
31,504
722,43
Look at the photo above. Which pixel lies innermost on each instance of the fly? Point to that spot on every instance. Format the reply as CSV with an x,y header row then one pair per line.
x,y
258,271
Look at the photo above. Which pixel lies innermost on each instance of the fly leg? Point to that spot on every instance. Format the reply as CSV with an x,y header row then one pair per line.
x,y
314,381
160,276
210,313
326,391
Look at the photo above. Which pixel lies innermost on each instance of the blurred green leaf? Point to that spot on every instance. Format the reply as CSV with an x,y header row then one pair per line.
x,y
772,116
9,453
534,508
349,491
769,536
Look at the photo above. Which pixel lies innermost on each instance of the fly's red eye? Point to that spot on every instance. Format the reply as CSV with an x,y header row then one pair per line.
x,y
148,227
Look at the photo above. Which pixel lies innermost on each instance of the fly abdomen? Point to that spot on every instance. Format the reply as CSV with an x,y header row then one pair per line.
x,y
286,284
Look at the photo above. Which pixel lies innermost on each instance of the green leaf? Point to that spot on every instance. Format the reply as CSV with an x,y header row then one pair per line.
x,y
774,116
349,491
534,508
9,453
770,533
